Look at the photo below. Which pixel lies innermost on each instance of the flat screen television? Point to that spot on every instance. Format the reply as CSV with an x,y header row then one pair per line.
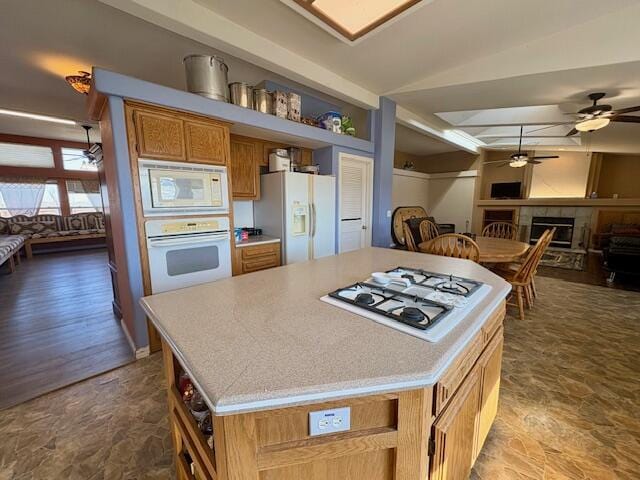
x,y
506,190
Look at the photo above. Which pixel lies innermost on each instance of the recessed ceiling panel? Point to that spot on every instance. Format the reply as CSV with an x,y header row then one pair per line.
x,y
358,17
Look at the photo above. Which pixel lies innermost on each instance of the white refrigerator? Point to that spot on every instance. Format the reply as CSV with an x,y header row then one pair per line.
x,y
300,209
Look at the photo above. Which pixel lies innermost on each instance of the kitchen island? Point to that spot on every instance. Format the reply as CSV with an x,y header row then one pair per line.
x,y
265,352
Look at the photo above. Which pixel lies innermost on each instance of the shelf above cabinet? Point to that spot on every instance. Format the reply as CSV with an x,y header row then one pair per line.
x,y
245,121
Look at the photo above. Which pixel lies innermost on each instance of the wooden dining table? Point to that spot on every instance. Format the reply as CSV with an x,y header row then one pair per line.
x,y
495,250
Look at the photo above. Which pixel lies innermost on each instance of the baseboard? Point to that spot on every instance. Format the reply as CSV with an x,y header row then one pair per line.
x,y
137,352
143,352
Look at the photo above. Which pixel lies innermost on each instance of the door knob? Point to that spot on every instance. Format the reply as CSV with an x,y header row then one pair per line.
x,y
364,227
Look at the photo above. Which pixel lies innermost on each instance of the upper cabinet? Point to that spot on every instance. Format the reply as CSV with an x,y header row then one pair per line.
x,y
179,136
245,169
159,136
206,142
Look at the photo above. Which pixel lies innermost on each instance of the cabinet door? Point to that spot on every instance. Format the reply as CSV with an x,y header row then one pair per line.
x,y
490,364
206,142
245,173
159,136
453,434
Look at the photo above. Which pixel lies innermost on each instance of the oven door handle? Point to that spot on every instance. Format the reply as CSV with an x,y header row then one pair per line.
x,y
188,241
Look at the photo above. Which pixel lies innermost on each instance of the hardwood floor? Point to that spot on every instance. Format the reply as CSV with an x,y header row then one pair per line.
x,y
56,324
593,274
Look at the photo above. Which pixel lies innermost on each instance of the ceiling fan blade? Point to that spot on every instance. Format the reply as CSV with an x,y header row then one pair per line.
x,y
504,164
571,133
543,157
628,110
626,119
498,161
534,162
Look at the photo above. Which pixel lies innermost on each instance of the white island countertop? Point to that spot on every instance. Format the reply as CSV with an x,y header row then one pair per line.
x,y
266,340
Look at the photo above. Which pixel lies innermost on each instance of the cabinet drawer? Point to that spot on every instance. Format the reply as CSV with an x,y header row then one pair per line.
x,y
493,324
251,253
456,373
260,263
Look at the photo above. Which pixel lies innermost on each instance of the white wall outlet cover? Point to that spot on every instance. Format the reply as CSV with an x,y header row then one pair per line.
x,y
388,213
324,422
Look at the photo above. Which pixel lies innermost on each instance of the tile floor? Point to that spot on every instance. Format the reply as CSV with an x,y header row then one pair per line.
x,y
570,404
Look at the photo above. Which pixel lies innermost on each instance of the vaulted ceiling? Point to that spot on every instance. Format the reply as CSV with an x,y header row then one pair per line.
x,y
442,57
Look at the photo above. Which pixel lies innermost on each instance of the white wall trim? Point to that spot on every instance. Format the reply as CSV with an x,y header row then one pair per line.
x,y
427,176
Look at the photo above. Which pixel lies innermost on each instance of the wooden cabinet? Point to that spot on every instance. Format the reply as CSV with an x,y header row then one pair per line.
x,y
177,136
159,135
252,258
453,434
245,171
466,403
490,366
206,142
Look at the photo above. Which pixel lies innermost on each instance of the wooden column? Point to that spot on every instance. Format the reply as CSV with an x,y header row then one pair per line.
x,y
414,423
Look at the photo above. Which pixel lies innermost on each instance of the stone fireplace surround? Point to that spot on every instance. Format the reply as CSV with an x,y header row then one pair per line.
x,y
581,229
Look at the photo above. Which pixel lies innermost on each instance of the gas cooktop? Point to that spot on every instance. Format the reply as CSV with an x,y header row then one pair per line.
x,y
424,304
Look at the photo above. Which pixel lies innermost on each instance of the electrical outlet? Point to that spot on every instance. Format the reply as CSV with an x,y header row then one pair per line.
x,y
335,420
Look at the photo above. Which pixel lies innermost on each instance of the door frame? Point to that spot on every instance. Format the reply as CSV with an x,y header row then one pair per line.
x,y
369,200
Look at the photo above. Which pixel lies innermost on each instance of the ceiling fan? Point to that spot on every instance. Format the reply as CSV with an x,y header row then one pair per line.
x,y
520,159
597,116
87,154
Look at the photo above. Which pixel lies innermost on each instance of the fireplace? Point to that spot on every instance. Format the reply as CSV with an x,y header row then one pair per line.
x,y
564,230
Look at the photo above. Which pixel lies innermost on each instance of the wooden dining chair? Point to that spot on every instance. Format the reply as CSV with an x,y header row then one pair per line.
x,y
409,241
521,277
500,230
453,245
428,230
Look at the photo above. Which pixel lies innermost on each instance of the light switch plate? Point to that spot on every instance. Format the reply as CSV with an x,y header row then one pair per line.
x,y
324,422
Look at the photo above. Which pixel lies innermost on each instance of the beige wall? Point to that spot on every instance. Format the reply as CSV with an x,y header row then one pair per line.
x,y
497,173
619,174
410,189
439,163
451,200
563,177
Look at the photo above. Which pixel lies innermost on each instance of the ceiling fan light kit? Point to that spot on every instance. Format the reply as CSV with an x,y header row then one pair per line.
x,y
592,124
518,163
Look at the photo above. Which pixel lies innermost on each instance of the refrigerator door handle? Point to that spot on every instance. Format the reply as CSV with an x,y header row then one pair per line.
x,y
313,220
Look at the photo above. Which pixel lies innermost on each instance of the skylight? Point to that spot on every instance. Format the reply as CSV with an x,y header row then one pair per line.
x,y
355,18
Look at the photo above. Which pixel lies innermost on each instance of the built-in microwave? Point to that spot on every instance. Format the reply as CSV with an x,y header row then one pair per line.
x,y
173,188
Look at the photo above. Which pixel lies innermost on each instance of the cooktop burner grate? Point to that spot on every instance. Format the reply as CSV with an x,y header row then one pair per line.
x,y
438,281
413,310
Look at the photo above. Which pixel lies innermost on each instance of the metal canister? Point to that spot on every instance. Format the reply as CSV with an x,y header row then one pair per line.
x,y
241,94
207,76
263,100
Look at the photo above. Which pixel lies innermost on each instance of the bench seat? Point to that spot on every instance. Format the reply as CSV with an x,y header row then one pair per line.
x,y
10,246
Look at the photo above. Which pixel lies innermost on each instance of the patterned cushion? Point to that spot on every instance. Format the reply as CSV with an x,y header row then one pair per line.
x,y
95,220
9,244
29,228
67,233
55,219
11,241
79,221
4,226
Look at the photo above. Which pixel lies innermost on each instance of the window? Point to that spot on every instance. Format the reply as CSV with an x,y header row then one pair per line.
x,y
84,196
50,201
18,155
75,159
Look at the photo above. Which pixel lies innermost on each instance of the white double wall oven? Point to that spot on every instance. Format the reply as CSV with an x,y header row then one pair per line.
x,y
196,247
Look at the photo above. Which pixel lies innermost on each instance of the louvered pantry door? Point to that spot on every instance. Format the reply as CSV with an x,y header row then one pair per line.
x,y
356,183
